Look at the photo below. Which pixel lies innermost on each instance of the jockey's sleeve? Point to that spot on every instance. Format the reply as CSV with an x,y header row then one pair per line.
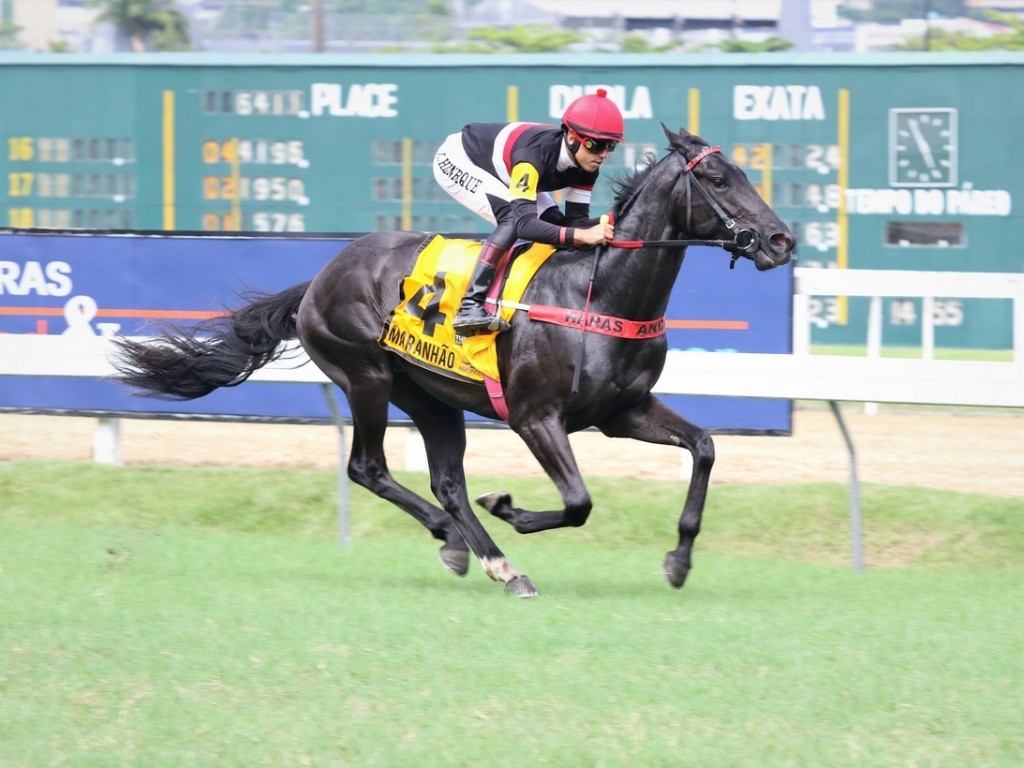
x,y
553,215
578,215
531,227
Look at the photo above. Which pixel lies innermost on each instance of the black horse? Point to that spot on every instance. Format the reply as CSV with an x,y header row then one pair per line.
x,y
693,192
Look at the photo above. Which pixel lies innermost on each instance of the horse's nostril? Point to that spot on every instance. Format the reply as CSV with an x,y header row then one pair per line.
x,y
782,241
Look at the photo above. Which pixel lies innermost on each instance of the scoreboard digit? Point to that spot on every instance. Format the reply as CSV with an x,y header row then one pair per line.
x,y
251,179
70,182
801,182
263,175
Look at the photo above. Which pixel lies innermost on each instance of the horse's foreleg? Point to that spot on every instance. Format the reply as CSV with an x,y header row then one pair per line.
x,y
547,439
653,422
444,436
448,482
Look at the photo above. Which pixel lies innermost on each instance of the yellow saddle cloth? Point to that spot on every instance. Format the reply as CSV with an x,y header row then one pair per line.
x,y
420,326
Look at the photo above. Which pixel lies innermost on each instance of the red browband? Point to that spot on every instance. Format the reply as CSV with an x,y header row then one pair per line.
x,y
701,156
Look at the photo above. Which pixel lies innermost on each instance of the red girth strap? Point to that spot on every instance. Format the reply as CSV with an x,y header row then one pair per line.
x,y
597,323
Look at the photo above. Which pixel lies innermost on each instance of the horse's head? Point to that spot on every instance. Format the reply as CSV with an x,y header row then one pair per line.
x,y
714,199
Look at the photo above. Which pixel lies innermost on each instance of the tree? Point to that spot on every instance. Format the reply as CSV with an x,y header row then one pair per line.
x,y
637,43
535,38
387,7
941,40
770,45
173,34
9,36
145,21
895,11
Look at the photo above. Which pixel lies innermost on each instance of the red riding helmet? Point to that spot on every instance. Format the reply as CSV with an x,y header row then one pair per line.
x,y
595,116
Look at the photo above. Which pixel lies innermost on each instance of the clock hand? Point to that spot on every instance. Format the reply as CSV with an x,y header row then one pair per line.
x,y
926,151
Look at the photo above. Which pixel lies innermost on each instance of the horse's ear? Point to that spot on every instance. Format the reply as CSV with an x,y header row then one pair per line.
x,y
674,139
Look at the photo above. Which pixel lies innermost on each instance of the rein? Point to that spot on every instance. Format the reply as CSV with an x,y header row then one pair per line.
x,y
743,244
739,249
667,243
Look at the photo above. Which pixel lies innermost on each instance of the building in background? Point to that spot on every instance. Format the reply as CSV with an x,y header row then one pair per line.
x,y
56,25
36,21
1003,6
884,37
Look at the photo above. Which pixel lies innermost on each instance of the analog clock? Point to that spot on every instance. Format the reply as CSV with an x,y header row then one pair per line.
x,y
922,147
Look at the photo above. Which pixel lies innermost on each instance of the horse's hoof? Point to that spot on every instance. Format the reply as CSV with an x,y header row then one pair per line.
x,y
521,586
675,569
455,560
498,503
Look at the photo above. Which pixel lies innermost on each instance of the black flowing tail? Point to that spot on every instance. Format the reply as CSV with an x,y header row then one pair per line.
x,y
224,351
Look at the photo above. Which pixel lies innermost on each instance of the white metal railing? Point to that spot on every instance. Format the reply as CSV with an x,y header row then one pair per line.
x,y
879,284
804,376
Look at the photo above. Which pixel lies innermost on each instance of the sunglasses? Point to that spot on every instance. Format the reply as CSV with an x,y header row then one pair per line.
x,y
597,146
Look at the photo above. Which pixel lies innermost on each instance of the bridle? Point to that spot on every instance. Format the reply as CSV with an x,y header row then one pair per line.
x,y
745,242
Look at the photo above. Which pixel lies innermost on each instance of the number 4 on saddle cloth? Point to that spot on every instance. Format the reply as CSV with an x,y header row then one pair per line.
x,y
420,326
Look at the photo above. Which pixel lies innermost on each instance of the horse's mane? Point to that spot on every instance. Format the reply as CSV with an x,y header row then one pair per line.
x,y
626,188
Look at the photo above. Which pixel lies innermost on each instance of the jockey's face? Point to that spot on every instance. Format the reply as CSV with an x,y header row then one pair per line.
x,y
590,153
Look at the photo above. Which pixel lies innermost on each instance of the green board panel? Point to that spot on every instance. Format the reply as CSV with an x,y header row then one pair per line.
x,y
883,161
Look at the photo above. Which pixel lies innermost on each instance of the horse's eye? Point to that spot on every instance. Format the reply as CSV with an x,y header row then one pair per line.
x,y
718,182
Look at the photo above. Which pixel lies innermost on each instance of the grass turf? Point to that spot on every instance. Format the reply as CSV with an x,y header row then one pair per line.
x,y
161,617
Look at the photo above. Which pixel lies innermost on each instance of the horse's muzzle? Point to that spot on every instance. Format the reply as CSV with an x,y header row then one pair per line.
x,y
779,251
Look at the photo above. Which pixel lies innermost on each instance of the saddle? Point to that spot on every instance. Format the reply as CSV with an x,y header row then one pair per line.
x,y
420,326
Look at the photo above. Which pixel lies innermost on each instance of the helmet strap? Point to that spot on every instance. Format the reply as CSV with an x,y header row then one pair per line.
x,y
572,141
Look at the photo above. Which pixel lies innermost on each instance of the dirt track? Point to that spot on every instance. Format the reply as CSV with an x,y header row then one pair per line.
x,y
955,452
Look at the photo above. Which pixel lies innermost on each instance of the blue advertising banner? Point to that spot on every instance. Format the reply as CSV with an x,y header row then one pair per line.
x,y
132,284
717,309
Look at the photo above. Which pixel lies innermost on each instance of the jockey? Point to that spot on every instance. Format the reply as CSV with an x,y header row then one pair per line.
x,y
505,171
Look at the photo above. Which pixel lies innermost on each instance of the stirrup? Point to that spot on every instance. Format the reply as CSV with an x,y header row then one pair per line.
x,y
484,323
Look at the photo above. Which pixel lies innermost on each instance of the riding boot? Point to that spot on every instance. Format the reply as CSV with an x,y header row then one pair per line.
x,y
472,314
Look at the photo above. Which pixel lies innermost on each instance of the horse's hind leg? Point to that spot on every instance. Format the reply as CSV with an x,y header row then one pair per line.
x,y
368,467
368,399
444,436
653,422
